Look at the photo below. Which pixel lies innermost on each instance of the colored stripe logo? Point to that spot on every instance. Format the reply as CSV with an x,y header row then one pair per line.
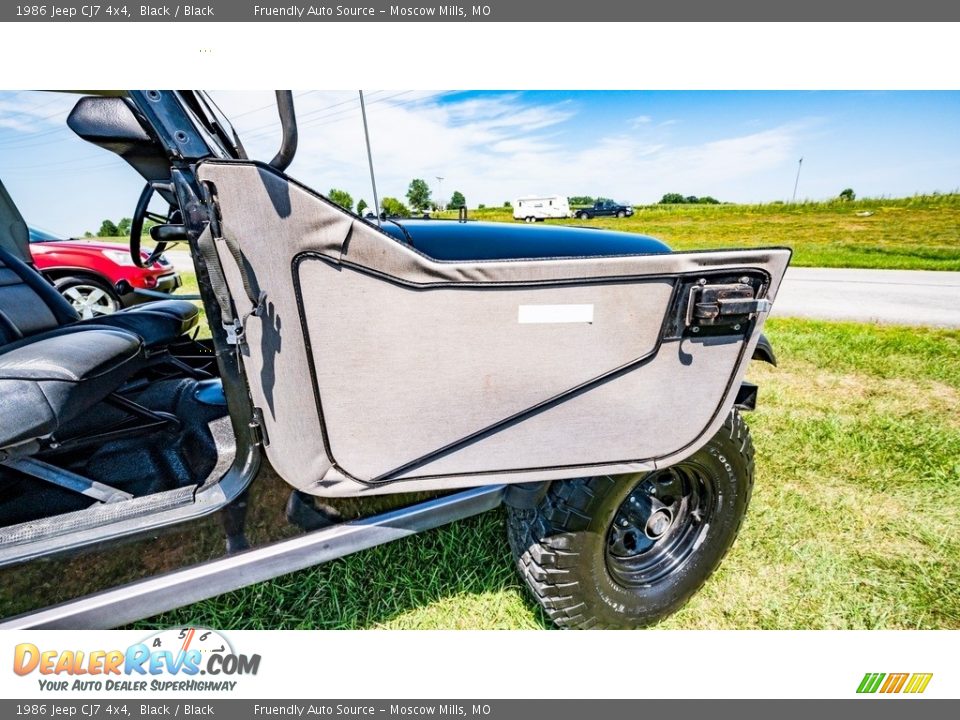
x,y
913,683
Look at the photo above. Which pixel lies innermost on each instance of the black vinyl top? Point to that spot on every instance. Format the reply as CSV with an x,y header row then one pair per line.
x,y
454,240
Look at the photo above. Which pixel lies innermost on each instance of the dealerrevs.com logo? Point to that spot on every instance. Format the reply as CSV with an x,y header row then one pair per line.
x,y
182,659
909,683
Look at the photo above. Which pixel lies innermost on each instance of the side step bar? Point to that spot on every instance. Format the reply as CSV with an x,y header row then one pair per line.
x,y
183,587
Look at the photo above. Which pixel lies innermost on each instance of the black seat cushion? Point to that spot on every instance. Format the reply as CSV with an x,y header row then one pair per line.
x,y
51,378
28,303
158,323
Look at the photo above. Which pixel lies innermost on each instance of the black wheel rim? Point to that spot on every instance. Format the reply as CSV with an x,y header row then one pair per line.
x,y
659,525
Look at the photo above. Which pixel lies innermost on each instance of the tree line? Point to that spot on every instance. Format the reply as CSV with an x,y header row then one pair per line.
x,y
108,228
678,199
419,200
667,199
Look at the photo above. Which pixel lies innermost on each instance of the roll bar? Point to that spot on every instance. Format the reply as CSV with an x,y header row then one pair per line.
x,y
288,123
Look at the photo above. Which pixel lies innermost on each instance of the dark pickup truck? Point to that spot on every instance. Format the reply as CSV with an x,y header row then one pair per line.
x,y
604,208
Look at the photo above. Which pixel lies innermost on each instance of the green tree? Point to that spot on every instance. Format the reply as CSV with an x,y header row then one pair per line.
x,y
418,194
88,234
108,229
361,206
848,195
507,204
678,199
341,198
123,227
457,200
393,207
581,200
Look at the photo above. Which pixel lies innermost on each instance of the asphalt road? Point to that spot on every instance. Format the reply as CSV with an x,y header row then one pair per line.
x,y
905,297
180,259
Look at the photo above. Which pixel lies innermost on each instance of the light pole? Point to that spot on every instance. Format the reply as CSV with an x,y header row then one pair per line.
x,y
440,192
373,178
797,181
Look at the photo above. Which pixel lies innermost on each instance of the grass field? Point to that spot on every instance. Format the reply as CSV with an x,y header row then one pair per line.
x,y
919,233
855,520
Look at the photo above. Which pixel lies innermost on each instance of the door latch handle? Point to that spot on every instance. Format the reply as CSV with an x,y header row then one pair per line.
x,y
723,305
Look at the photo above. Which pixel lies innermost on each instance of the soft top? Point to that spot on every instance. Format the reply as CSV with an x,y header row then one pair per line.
x,y
453,240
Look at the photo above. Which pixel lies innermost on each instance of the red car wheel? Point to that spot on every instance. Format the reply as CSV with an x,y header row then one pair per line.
x,y
88,296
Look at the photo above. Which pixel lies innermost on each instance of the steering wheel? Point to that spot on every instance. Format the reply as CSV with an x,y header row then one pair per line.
x,y
142,213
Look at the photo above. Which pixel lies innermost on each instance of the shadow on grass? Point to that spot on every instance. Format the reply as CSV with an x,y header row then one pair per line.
x,y
458,576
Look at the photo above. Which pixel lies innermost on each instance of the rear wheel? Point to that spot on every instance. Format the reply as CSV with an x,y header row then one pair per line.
x,y
530,219
627,551
583,216
89,297
621,213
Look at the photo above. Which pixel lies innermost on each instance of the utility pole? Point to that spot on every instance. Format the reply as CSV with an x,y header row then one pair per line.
x,y
797,181
440,192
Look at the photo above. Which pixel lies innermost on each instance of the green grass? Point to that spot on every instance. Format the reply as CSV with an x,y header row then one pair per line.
x,y
190,287
915,233
855,520
918,233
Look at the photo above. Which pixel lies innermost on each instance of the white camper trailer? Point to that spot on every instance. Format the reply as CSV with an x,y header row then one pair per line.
x,y
540,207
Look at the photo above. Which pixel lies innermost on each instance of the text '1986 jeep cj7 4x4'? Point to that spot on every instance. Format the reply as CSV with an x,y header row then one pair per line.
x,y
591,381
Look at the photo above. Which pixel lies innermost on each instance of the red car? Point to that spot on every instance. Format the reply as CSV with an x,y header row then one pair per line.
x,y
99,278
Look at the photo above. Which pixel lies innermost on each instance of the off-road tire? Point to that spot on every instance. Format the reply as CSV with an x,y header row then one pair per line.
x,y
561,547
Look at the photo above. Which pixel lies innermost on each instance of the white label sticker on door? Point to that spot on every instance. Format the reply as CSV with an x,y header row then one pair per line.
x,y
542,314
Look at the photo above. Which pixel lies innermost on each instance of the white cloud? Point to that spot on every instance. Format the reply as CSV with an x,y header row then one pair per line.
x,y
499,147
32,112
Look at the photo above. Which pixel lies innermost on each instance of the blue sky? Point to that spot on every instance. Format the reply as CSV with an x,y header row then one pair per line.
x,y
738,146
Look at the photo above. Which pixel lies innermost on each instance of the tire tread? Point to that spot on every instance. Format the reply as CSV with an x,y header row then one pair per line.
x,y
545,560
